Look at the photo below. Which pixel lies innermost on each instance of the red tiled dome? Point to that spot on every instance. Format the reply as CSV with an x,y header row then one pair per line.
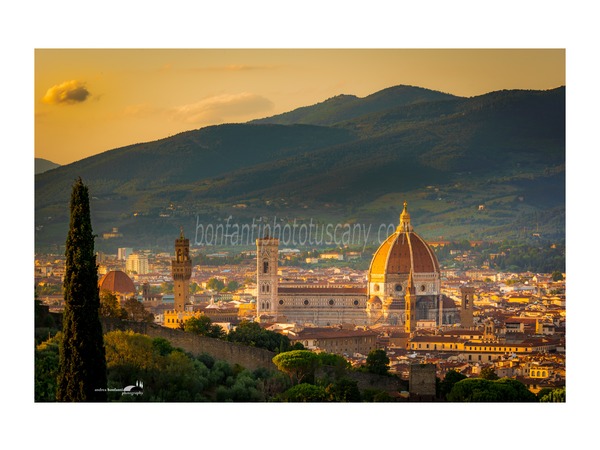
x,y
404,251
117,281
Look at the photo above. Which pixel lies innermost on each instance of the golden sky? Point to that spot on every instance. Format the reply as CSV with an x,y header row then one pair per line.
x,y
92,100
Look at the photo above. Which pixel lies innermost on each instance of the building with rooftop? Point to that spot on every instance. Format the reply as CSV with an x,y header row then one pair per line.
x,y
403,288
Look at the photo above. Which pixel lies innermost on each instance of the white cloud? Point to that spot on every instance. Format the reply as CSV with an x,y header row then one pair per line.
x,y
221,108
69,92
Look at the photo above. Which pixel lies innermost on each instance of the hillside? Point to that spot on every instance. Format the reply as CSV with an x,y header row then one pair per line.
x,y
43,165
488,167
348,107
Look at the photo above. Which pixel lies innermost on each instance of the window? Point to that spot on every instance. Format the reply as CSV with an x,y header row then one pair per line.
x,y
355,302
281,302
265,266
398,287
331,302
306,302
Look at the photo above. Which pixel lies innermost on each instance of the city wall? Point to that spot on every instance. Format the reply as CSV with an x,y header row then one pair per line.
x,y
249,357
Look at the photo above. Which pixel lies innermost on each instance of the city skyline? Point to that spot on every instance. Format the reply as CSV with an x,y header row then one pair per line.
x,y
88,101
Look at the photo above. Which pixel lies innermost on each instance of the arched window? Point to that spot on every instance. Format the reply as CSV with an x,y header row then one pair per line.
x,y
265,266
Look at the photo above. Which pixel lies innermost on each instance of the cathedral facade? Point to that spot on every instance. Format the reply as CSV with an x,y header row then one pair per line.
x,y
403,287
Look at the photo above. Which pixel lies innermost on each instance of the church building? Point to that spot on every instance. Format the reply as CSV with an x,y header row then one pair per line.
x,y
403,288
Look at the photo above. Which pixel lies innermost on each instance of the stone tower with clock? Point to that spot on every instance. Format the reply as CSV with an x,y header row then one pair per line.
x,y
267,278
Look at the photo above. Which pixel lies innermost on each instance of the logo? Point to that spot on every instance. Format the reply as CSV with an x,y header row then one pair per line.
x,y
137,389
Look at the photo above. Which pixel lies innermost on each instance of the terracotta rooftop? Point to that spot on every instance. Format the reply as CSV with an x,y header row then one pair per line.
x,y
117,281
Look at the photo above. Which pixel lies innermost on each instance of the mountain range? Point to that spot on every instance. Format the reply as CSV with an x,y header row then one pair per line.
x,y
485,167
43,165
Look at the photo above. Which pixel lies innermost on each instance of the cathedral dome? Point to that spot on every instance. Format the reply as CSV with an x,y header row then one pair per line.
x,y
117,281
403,252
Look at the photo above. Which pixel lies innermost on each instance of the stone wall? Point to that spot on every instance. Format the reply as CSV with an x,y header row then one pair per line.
x,y
249,357
367,380
422,381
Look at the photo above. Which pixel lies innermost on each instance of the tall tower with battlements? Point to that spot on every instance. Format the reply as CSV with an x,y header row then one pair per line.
x,y
181,269
267,279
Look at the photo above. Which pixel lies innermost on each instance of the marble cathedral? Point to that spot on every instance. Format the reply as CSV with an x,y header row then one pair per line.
x,y
403,287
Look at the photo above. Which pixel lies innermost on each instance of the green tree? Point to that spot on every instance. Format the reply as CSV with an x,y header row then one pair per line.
x,y
252,334
331,359
299,365
214,284
378,362
480,390
203,326
232,286
344,390
371,395
166,287
488,373
110,306
46,369
134,310
557,276
450,379
554,396
306,392
82,365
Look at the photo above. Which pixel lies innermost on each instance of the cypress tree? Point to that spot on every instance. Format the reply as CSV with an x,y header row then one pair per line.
x,y
82,363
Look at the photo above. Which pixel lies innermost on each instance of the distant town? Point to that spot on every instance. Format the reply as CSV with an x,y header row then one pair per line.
x,y
516,325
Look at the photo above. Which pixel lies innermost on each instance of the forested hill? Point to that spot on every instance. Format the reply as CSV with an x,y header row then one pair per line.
x,y
490,166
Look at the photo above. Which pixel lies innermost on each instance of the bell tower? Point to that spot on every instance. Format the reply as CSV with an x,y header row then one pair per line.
x,y
410,306
267,279
467,295
181,269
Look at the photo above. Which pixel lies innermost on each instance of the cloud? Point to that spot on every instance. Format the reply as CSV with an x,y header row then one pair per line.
x,y
221,108
69,92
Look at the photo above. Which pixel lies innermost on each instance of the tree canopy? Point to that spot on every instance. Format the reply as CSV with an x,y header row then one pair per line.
x,y
378,362
450,379
299,365
203,326
82,366
480,390
251,333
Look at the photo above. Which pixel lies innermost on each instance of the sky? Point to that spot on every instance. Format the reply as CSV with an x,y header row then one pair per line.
x,y
91,100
